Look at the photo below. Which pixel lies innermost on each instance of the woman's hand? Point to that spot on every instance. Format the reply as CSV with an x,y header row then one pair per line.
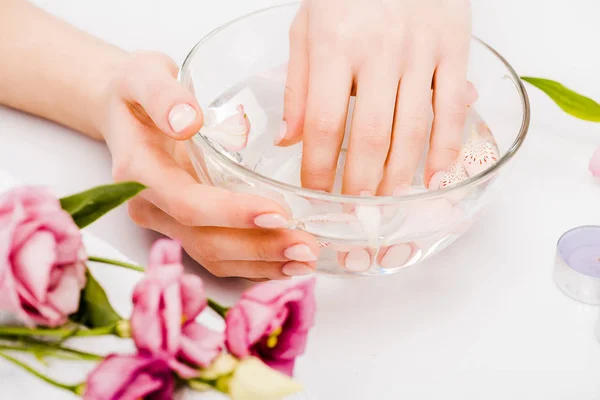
x,y
147,115
391,53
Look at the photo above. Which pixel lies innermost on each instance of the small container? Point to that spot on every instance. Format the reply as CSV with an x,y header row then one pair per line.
x,y
577,266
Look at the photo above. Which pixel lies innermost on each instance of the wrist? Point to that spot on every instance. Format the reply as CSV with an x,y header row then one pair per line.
x,y
109,63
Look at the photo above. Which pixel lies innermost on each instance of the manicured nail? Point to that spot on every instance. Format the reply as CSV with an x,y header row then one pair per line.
x,y
294,268
396,256
436,179
300,252
270,221
281,134
358,260
181,117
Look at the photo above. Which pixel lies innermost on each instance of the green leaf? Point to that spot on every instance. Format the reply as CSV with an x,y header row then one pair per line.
x,y
88,206
95,310
571,102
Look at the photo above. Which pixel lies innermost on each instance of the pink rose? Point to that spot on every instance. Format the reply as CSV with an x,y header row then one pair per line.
x,y
165,304
594,166
130,377
42,268
271,321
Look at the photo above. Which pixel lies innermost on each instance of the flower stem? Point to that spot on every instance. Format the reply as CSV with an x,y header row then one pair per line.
x,y
47,379
24,331
219,309
53,351
117,263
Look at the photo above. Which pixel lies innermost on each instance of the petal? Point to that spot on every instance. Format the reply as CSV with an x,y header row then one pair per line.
x,y
193,299
200,345
146,325
33,263
232,133
253,380
594,166
171,318
164,251
284,366
129,377
65,296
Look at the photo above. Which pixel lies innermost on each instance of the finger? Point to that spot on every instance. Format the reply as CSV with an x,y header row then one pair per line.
x,y
258,270
176,192
296,89
225,244
450,112
151,84
411,128
370,133
327,105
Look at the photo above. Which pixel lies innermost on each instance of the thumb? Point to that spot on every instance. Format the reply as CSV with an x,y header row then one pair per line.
x,y
151,84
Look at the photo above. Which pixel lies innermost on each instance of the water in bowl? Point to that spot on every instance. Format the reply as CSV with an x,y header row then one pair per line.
x,y
262,98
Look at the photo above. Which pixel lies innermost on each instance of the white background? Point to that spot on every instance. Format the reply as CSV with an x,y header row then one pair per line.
x,y
482,320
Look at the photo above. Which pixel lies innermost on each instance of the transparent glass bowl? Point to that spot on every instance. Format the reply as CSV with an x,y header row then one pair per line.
x,y
358,235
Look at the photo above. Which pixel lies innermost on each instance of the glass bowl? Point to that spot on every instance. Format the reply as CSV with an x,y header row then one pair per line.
x,y
244,62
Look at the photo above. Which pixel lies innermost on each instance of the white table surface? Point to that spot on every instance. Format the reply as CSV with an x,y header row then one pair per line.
x,y
482,320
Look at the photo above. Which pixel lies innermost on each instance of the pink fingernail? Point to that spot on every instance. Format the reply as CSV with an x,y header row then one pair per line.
x,y
300,252
281,134
294,268
270,221
181,117
358,260
396,256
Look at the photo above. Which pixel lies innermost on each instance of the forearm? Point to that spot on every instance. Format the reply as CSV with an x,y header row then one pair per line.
x,y
51,69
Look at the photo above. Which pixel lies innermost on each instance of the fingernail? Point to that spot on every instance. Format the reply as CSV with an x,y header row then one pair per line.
x,y
436,179
181,117
281,134
300,252
396,256
294,268
365,193
270,221
358,260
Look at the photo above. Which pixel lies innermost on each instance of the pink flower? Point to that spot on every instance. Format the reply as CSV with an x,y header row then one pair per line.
x,y
271,321
595,163
232,133
165,304
130,377
42,268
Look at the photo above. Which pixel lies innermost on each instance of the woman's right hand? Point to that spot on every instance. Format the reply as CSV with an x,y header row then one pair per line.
x,y
147,116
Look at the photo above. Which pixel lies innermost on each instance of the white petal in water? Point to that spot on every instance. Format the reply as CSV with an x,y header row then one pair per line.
x,y
231,133
370,220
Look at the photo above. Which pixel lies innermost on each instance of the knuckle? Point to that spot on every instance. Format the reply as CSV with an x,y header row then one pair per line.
x,y
263,252
337,34
206,251
319,173
326,124
375,135
121,171
216,269
415,128
182,214
138,212
454,115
